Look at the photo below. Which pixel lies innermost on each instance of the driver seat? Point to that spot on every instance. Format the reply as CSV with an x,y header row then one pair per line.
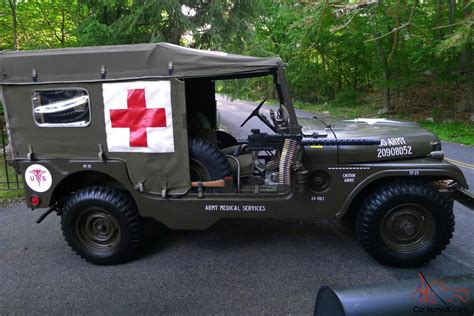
x,y
199,126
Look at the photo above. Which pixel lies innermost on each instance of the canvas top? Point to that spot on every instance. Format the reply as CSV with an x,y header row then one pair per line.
x,y
123,62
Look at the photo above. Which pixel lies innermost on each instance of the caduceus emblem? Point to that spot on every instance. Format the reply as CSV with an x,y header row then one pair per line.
x,y
37,175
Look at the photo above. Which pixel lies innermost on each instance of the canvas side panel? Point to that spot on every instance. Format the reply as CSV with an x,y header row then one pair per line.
x,y
156,159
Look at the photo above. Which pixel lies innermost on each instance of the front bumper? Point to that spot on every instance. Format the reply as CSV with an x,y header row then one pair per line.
x,y
464,197
453,190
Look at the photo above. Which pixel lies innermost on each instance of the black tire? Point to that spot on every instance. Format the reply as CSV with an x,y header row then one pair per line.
x,y
405,224
206,161
225,139
102,225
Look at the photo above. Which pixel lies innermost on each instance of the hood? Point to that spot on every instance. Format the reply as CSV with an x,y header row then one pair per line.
x,y
398,139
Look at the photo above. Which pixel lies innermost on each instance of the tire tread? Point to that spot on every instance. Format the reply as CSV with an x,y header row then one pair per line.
x,y
117,199
368,213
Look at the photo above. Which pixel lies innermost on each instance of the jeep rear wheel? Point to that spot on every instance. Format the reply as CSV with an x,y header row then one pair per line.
x,y
405,224
102,225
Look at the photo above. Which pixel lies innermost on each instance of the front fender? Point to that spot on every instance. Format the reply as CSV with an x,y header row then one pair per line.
x,y
420,168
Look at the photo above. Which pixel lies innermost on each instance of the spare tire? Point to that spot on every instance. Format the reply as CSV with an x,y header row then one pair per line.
x,y
206,162
225,139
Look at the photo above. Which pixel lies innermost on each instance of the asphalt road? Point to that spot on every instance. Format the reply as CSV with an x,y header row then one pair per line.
x,y
236,267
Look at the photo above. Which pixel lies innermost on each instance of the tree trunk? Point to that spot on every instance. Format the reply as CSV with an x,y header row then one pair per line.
x,y
452,14
438,22
470,77
174,30
63,27
14,23
468,63
355,81
395,34
387,106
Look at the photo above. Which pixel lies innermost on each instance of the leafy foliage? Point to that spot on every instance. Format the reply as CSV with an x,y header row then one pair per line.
x,y
336,50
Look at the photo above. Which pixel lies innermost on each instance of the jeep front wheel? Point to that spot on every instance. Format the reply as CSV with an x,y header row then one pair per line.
x,y
405,224
102,225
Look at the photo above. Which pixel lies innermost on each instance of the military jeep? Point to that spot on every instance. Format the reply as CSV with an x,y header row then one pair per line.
x,y
110,137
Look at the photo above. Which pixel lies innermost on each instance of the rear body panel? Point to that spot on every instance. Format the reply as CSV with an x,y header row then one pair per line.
x,y
58,145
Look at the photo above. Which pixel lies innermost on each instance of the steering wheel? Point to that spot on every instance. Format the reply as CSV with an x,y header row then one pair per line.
x,y
255,113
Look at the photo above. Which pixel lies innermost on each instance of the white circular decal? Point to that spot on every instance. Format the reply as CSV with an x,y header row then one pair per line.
x,y
38,178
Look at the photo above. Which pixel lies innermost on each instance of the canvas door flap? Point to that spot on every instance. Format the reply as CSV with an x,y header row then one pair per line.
x,y
145,125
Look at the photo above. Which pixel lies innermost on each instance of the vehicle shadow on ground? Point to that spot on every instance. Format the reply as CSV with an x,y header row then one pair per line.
x,y
236,234
321,243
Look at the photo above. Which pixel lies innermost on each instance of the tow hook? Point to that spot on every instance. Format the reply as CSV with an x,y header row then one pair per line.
x,y
47,212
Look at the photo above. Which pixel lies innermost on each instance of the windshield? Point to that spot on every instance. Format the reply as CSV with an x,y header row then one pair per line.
x,y
253,102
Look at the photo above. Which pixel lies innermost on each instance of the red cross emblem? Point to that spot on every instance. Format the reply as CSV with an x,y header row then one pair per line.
x,y
137,117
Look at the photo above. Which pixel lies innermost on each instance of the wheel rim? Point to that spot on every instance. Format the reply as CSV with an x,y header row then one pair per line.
x,y
408,228
198,171
98,230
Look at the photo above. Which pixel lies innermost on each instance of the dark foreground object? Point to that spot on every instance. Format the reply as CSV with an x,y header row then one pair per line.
x,y
423,296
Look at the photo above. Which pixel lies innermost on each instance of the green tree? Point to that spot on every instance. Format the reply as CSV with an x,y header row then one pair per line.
x,y
418,55
197,23
38,24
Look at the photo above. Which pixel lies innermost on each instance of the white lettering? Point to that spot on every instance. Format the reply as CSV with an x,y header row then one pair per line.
x,y
235,208
392,141
394,151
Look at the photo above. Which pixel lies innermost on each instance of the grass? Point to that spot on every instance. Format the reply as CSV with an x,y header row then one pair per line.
x,y
457,132
9,195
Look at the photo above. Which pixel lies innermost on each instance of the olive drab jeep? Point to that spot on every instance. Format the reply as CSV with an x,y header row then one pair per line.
x,y
108,137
